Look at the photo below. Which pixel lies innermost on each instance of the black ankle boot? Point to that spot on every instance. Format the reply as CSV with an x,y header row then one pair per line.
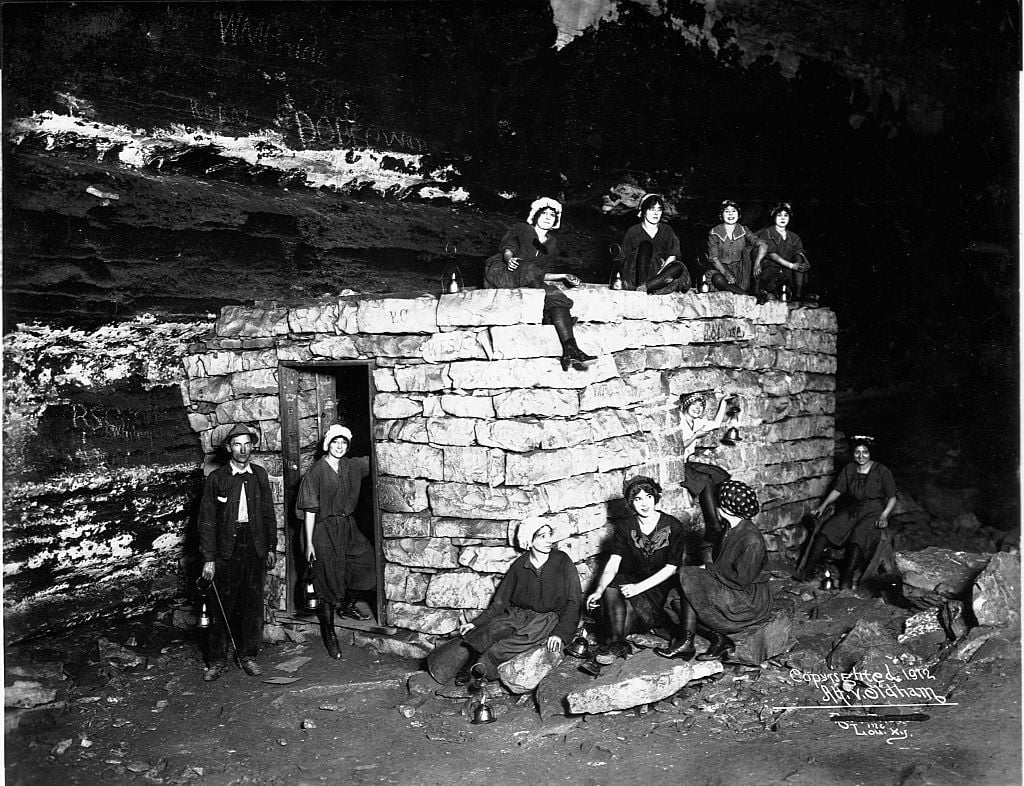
x,y
721,647
572,355
325,616
851,561
465,674
682,646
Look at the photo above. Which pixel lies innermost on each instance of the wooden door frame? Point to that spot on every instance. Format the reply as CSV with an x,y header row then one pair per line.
x,y
288,376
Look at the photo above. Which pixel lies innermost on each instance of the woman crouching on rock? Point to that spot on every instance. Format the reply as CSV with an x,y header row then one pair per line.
x,y
537,602
527,254
731,593
644,556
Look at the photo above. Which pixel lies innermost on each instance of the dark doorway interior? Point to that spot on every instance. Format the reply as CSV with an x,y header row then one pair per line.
x,y
313,397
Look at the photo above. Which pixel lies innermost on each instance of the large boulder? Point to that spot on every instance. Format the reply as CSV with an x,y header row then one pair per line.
x,y
996,596
863,638
642,679
942,571
771,639
525,671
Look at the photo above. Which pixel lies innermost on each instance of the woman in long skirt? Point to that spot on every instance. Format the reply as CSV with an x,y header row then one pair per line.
x,y
341,558
731,594
537,602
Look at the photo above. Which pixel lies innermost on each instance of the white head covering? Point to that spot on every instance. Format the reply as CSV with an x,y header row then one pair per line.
x,y
527,529
333,433
544,202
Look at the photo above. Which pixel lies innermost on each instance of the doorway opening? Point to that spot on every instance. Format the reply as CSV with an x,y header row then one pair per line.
x,y
315,396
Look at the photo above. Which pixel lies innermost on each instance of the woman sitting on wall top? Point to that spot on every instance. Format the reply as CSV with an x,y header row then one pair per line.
x,y
650,252
537,602
729,247
645,553
730,594
525,258
786,263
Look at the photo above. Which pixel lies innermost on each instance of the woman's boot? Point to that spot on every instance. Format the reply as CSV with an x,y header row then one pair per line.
x,y
682,645
572,355
713,530
721,647
722,284
325,616
851,561
815,556
667,276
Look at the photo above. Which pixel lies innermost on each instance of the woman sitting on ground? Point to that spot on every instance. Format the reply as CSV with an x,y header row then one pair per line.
x,y
729,247
650,252
786,263
870,492
537,601
730,594
646,551
527,253
702,479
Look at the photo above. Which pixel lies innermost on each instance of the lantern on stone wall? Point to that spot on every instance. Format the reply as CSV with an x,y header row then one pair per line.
x,y
615,278
451,278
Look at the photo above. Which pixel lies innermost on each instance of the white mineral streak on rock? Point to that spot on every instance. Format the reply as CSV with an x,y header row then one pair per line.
x,y
338,168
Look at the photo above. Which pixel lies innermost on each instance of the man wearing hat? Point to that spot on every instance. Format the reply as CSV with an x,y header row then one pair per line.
x,y
238,539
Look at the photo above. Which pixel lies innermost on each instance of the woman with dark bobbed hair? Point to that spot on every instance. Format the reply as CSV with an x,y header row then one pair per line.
x,y
731,594
869,490
785,263
525,258
645,553
650,252
729,247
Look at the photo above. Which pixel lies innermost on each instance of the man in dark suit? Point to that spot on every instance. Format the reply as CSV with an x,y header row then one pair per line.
x,y
238,538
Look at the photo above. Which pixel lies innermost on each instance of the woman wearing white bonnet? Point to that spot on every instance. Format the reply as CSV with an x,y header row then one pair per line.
x,y
340,557
524,260
537,602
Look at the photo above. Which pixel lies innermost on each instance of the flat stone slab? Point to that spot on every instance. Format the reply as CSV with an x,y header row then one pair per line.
x,y
642,679
948,573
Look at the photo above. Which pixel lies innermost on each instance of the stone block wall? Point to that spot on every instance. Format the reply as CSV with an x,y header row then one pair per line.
x,y
478,427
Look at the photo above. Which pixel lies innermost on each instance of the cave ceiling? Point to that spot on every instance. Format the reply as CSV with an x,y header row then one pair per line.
x,y
262,133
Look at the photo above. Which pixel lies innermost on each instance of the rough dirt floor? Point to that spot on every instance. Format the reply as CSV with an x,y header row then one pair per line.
x,y
141,713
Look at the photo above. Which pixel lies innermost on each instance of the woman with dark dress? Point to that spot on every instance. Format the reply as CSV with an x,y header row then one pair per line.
x,y
643,558
730,594
527,254
869,493
537,602
729,247
340,557
650,252
701,479
786,263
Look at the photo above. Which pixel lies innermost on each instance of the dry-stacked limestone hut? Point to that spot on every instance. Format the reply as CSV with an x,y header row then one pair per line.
x,y
472,424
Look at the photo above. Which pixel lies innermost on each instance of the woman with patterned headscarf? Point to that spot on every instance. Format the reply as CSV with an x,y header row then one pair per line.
x,y
731,593
645,553
527,253
650,252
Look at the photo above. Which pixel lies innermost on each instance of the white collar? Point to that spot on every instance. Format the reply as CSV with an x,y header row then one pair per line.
x,y
236,471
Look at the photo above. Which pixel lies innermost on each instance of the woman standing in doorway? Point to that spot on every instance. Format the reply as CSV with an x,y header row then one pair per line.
x,y
341,559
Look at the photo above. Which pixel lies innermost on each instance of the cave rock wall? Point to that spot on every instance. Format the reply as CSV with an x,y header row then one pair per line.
x,y
476,426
